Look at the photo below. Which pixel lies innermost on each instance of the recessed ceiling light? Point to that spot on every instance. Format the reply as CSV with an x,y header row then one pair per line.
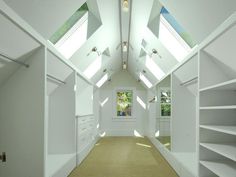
x,y
125,46
125,5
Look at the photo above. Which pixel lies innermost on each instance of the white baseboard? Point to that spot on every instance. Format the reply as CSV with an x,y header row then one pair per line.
x,y
120,133
179,168
66,169
86,150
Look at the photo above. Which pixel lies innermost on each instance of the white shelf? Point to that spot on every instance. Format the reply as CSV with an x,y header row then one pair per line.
x,y
228,150
221,168
218,107
228,85
224,129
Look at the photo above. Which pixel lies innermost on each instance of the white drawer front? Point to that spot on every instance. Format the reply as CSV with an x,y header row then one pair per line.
x,y
85,119
91,125
82,141
82,120
83,128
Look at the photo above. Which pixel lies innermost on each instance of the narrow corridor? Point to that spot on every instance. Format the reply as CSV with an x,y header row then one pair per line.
x,y
124,157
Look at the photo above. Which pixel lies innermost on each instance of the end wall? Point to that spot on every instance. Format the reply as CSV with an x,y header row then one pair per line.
x,y
111,126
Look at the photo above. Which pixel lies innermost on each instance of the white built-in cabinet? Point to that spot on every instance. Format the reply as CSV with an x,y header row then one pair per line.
x,y
43,131
22,89
217,103
183,83
183,120
60,119
203,122
85,119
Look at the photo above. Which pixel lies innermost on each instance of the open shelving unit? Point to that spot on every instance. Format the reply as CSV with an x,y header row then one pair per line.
x,y
85,119
12,53
221,168
21,100
217,102
184,103
36,98
226,149
224,129
61,131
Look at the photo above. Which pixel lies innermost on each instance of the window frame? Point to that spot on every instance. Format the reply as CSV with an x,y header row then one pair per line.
x,y
72,30
160,91
186,47
133,104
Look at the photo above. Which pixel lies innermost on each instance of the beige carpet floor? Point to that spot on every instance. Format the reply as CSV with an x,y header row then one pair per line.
x,y
165,140
124,157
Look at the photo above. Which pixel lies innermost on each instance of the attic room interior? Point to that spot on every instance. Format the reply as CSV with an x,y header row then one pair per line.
x,y
117,88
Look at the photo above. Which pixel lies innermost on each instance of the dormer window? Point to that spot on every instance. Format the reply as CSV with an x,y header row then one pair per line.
x,y
173,36
73,33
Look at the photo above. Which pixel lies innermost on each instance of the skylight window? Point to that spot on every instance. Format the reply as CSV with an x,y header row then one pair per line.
x,y
73,33
145,80
173,36
93,67
154,68
102,80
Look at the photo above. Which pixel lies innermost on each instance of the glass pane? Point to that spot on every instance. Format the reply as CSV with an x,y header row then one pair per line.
x,y
165,93
69,23
124,103
165,100
165,109
178,28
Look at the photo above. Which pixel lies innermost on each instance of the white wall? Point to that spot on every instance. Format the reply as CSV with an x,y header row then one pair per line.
x,y
96,111
150,125
84,97
22,120
120,127
61,126
183,135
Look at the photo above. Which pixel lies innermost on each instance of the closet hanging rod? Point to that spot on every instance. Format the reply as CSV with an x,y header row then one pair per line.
x,y
54,78
189,81
13,60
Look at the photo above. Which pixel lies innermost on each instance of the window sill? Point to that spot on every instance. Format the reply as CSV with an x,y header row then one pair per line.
x,y
123,119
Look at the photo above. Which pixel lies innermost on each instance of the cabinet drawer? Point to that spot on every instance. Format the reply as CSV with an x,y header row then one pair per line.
x,y
82,141
82,120
85,119
83,128
90,125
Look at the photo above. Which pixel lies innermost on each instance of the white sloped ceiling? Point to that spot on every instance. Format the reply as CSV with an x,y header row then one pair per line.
x,y
199,18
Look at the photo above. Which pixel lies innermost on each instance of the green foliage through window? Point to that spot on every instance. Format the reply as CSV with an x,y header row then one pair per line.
x,y
69,23
124,103
165,103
